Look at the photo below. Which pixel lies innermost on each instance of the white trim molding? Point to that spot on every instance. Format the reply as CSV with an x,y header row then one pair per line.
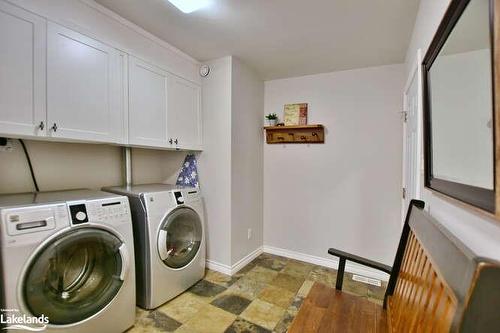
x,y
414,74
330,263
218,267
231,270
246,260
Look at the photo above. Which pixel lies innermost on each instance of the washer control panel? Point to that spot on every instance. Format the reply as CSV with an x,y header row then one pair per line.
x,y
114,210
78,213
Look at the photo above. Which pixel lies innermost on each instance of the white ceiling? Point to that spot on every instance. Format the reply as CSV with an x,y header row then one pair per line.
x,y
283,38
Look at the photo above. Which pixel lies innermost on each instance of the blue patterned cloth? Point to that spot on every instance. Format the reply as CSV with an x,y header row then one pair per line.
x,y
189,172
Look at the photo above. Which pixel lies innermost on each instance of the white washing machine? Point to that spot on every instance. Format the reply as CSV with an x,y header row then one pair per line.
x,y
169,240
68,256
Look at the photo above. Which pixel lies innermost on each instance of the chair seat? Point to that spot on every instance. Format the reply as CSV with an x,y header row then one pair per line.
x,y
328,310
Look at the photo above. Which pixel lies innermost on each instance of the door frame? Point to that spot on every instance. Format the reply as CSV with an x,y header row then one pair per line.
x,y
415,72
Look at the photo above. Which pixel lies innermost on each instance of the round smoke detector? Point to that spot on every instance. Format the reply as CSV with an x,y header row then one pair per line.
x,y
204,70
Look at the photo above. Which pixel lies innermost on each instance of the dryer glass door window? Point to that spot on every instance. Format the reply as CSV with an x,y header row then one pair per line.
x,y
179,238
74,276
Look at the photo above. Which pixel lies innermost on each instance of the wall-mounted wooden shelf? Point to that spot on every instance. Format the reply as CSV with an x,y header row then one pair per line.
x,y
295,134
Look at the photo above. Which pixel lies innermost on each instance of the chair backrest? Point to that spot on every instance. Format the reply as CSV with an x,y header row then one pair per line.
x,y
438,284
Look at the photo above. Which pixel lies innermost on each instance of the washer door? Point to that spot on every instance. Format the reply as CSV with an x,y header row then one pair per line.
x,y
75,275
179,238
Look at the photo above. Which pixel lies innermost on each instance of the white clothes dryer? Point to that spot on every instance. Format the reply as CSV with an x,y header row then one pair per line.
x,y
169,237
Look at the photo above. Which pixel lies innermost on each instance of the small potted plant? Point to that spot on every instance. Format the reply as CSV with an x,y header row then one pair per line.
x,y
272,119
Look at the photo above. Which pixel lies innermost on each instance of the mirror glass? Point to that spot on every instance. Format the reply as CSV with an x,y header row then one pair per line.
x,y
461,102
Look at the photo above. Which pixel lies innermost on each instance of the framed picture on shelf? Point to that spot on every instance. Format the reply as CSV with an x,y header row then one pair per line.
x,y
295,114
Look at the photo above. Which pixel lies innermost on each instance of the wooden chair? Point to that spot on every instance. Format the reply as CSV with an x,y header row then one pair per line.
x,y
436,284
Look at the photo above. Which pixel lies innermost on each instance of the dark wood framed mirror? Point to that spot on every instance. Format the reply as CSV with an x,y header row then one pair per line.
x,y
460,73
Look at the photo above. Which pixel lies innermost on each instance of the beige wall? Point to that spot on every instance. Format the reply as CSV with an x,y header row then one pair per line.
x,y
215,161
246,161
345,193
231,162
61,166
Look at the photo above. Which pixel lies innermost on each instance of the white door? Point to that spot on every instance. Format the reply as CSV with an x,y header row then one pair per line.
x,y
412,137
184,113
82,82
22,72
147,104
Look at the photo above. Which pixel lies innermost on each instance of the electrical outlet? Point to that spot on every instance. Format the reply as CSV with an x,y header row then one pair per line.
x,y
249,233
6,146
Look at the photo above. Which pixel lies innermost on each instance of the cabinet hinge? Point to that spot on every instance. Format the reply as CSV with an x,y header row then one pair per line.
x,y
405,115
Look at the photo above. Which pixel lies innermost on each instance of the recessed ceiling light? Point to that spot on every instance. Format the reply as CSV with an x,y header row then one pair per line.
x,y
189,6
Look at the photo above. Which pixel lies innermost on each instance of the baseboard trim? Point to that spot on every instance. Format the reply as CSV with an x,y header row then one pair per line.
x,y
246,260
218,267
331,263
231,270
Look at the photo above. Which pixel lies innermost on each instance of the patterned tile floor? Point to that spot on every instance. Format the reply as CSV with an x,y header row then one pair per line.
x,y
263,297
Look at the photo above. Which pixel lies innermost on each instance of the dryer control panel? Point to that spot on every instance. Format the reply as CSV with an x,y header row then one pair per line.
x,y
179,199
186,196
112,211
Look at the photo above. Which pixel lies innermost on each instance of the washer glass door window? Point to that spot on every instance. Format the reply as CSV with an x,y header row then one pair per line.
x,y
74,276
179,238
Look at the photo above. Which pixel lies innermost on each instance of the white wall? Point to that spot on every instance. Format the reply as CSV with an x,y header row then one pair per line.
x,y
246,160
60,166
429,16
231,162
215,160
479,232
345,193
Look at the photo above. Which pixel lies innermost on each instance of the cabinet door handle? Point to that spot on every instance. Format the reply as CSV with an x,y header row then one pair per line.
x,y
41,126
170,141
54,127
176,141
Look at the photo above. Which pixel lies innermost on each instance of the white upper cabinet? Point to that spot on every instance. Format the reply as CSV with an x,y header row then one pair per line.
x,y
147,104
83,87
59,83
184,113
22,72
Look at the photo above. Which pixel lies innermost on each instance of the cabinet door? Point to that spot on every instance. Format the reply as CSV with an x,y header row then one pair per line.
x,y
147,104
184,113
22,72
82,82
122,92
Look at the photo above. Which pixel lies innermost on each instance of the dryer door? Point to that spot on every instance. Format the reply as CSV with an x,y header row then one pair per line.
x,y
179,237
75,275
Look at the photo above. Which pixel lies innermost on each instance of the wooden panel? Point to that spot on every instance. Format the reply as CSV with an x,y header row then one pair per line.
x,y
422,301
295,134
328,310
